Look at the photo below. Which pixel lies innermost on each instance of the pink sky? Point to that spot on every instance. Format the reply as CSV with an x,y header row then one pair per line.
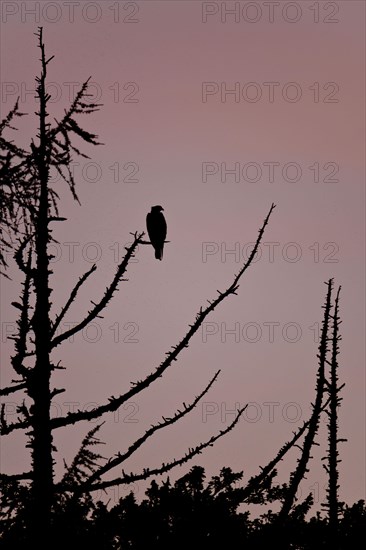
x,y
166,135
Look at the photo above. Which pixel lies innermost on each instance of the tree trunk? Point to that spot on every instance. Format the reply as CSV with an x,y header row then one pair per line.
x,y
40,392
42,436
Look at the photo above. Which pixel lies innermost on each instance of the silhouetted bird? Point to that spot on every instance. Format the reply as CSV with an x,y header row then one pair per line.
x,y
156,228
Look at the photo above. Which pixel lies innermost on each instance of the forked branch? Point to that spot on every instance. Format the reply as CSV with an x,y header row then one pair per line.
x,y
98,308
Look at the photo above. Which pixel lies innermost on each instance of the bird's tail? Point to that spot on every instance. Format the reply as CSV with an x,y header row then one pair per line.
x,y
159,253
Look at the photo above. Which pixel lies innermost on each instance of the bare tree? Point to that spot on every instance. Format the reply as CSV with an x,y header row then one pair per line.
x,y
37,336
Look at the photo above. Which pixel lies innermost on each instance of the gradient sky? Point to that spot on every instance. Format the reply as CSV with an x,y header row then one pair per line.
x,y
160,54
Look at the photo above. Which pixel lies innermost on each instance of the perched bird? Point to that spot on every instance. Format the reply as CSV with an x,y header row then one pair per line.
x,y
156,228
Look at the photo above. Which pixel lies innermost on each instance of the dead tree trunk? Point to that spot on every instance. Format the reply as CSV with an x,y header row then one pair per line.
x,y
39,384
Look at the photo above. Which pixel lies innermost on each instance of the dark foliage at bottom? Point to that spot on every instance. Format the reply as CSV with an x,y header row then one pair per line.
x,y
191,513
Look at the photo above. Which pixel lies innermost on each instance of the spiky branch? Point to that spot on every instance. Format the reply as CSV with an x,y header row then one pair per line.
x,y
13,389
255,482
120,458
147,472
71,299
23,324
333,388
302,463
98,308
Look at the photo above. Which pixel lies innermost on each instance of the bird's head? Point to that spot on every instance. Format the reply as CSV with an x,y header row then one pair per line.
x,y
157,208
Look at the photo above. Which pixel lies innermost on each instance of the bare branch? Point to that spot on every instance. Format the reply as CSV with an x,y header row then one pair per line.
x,y
301,468
19,255
115,402
333,389
13,389
120,458
148,242
107,295
6,429
23,322
71,299
256,481
16,477
130,478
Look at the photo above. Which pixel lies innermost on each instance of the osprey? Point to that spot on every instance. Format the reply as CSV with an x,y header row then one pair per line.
x,y
156,228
